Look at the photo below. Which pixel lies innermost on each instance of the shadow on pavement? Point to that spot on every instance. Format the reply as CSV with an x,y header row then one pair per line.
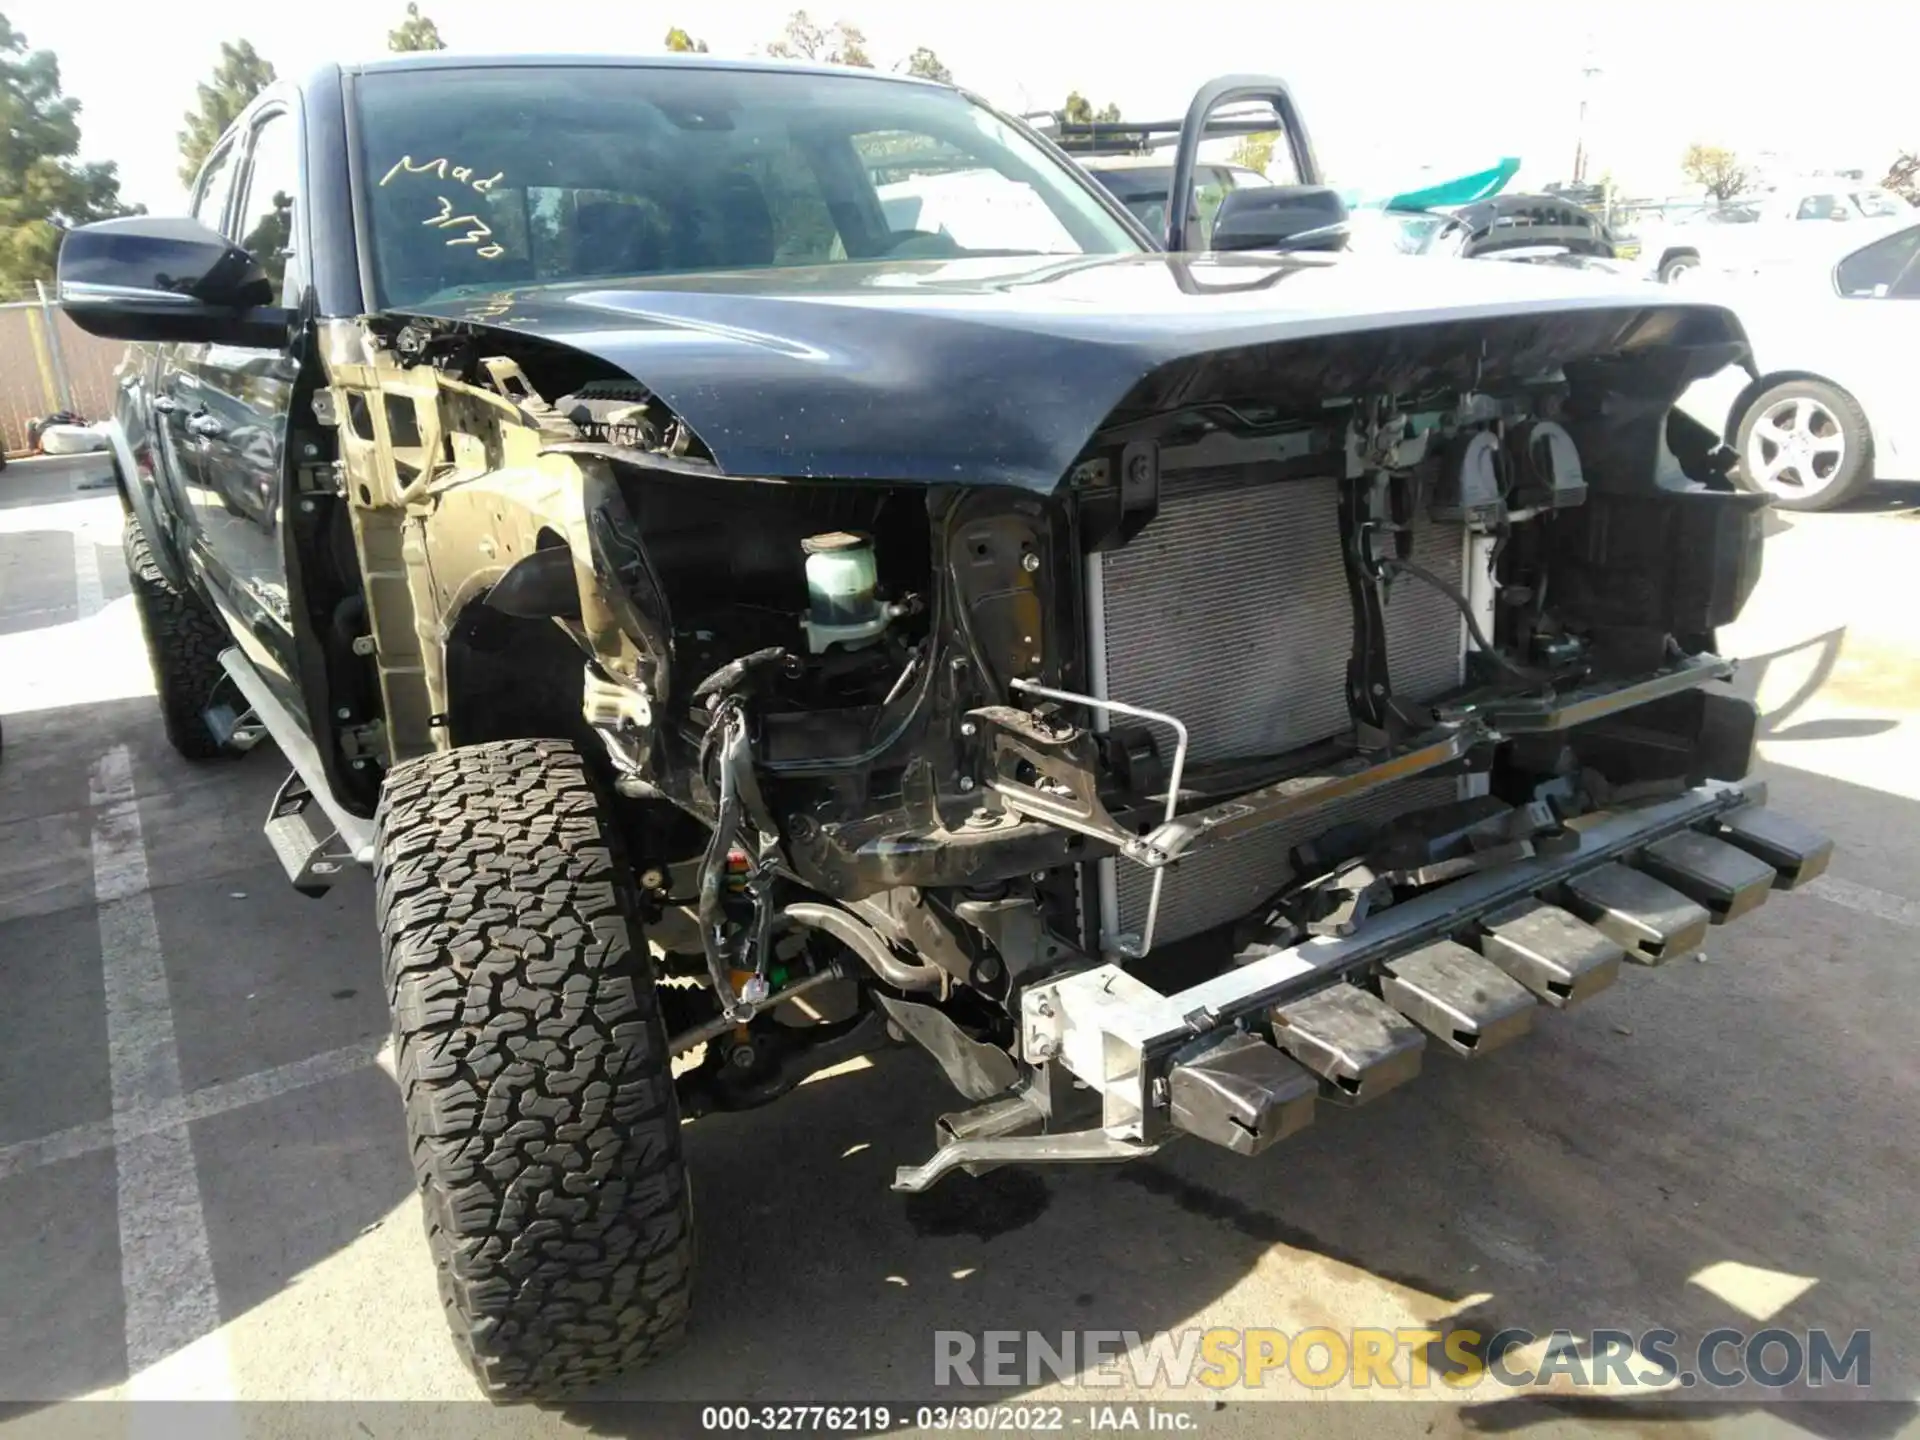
x,y
1757,1109
36,580
1885,497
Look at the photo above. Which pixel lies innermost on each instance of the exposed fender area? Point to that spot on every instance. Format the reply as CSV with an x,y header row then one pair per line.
x,y
450,486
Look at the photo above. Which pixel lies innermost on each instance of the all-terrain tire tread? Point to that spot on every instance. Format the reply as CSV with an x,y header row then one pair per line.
x,y
184,640
533,1064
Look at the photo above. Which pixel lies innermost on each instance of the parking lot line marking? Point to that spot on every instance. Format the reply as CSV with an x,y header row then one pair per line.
x,y
166,1265
201,1104
88,595
1866,899
51,1149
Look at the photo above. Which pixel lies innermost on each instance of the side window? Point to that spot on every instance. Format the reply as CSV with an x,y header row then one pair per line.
x,y
1822,207
216,183
265,226
1886,268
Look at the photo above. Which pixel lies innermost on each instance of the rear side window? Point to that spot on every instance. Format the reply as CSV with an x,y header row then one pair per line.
x,y
1888,268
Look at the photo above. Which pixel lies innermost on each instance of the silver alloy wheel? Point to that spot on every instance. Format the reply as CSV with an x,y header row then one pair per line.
x,y
1796,448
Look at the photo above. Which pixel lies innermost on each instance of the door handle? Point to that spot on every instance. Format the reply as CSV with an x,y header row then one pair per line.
x,y
206,426
165,404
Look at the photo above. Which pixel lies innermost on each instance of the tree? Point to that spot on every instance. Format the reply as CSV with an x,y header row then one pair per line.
x,y
1903,176
1079,110
680,42
1715,170
928,66
240,75
1255,151
416,32
836,44
43,190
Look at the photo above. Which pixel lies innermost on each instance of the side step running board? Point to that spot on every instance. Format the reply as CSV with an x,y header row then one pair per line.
x,y
313,851
313,855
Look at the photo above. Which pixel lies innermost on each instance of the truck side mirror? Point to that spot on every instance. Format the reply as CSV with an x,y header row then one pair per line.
x,y
1281,217
146,277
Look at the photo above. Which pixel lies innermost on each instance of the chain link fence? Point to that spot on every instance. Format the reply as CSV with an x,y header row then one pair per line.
x,y
47,363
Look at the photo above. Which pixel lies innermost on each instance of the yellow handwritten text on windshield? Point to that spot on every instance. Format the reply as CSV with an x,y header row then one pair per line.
x,y
477,230
445,169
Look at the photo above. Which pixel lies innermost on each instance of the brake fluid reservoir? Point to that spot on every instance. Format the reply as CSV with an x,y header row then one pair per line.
x,y
841,577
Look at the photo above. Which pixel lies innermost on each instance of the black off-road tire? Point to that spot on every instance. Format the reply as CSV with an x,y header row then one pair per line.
x,y
184,641
533,1063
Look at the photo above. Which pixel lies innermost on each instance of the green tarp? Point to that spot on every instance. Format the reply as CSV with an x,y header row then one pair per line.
x,y
1461,190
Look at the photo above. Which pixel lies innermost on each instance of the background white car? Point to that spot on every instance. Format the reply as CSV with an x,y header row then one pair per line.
x,y
1835,325
1718,233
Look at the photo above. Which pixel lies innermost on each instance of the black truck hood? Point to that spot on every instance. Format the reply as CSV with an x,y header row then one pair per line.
x,y
998,371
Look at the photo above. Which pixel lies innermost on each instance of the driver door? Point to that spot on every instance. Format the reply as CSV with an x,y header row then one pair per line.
x,y
244,398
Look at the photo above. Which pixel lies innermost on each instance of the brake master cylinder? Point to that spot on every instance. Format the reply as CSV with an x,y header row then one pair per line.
x,y
842,606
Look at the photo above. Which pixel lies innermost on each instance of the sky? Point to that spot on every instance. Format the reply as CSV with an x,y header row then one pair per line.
x,y
1390,90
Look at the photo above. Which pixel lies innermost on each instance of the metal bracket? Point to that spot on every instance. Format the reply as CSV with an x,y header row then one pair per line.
x,y
1137,850
1534,714
364,742
1083,1147
1059,758
356,833
977,1070
236,732
1285,799
313,855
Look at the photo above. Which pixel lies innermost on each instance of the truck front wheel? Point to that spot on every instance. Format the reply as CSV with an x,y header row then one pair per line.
x,y
533,1064
184,640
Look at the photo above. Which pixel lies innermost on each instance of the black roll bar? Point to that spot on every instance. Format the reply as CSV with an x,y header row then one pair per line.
x,y
1232,90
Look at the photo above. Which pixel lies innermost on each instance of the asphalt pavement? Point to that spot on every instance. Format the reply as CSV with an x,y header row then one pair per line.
x,y
204,1189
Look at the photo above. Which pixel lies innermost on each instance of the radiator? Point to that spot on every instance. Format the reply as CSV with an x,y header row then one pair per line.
x,y
1230,611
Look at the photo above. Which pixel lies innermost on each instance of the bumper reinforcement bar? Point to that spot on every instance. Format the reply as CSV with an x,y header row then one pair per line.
x,y
1463,963
1242,1058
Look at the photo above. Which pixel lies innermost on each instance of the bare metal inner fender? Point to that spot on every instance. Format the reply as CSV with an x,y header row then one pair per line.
x,y
450,487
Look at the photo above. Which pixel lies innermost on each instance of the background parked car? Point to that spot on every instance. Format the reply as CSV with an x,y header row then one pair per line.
x,y
1726,232
1835,326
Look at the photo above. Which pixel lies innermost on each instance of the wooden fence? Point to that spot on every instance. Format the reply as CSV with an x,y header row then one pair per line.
x,y
48,363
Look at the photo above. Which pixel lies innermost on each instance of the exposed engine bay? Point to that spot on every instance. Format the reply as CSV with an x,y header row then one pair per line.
x,y
1308,637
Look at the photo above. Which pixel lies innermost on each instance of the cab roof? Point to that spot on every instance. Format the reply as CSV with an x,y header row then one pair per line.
x,y
678,60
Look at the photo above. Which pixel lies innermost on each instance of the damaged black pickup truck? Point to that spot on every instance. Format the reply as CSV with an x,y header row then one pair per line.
x,y
746,553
